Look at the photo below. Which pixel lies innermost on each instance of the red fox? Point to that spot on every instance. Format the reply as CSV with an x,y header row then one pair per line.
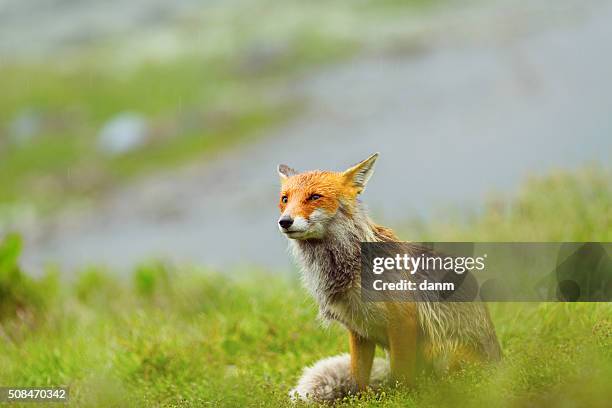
x,y
325,223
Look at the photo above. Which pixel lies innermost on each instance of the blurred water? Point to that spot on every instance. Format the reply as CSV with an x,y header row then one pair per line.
x,y
452,124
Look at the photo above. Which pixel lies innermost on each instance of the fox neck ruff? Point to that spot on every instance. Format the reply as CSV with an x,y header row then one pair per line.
x,y
331,265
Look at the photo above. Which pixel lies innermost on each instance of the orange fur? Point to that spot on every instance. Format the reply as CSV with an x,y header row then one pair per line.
x,y
331,186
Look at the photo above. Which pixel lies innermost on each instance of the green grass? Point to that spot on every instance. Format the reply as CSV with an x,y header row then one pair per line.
x,y
188,337
564,206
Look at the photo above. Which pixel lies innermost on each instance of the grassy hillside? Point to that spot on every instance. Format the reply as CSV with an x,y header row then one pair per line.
x,y
214,80
190,337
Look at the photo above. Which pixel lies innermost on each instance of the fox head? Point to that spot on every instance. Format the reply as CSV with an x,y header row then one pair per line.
x,y
309,201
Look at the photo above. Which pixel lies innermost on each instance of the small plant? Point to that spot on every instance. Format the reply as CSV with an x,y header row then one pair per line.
x,y
151,278
19,294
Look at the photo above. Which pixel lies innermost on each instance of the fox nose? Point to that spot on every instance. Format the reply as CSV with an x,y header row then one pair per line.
x,y
285,222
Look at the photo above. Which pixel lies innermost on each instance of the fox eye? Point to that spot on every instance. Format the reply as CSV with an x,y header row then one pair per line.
x,y
314,197
284,199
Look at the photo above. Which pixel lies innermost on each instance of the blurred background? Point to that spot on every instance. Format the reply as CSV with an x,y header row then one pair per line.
x,y
152,129
140,261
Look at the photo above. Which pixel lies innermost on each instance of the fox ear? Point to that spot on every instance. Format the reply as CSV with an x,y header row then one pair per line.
x,y
359,174
285,172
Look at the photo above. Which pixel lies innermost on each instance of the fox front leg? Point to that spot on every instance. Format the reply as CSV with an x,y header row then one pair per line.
x,y
362,356
402,335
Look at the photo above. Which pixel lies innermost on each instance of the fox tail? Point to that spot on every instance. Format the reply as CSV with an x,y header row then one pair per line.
x,y
331,379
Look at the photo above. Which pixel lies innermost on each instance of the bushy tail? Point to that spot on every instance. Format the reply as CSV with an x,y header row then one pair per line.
x,y
330,379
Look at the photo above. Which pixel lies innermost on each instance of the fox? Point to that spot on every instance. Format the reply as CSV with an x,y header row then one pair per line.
x,y
325,222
